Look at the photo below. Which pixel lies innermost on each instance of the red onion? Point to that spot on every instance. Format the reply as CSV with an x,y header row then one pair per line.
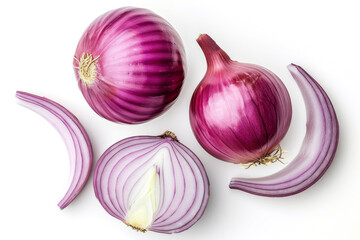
x,y
74,136
317,151
130,65
152,183
239,112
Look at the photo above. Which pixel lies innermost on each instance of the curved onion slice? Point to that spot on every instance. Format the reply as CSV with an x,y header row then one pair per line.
x,y
152,183
74,135
317,150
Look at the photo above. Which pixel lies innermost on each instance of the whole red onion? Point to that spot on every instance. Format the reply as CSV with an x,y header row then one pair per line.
x,y
130,65
239,112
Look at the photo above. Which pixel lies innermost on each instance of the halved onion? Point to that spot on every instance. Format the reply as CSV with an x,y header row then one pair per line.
x,y
74,135
152,183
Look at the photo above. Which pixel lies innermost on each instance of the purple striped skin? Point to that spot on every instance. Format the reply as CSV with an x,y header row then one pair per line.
x,y
239,112
74,135
141,65
184,185
317,151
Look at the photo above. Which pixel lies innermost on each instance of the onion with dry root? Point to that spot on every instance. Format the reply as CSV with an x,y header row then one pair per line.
x,y
239,112
130,65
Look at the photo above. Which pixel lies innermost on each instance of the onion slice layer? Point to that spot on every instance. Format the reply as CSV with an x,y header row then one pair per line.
x,y
152,183
74,135
317,150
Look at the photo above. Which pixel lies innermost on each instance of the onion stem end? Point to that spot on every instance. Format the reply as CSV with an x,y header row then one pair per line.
x,y
169,134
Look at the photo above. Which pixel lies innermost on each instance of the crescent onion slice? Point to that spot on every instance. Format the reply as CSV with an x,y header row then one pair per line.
x,y
74,135
317,151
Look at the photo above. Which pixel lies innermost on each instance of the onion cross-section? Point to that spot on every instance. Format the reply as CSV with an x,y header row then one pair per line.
x,y
152,183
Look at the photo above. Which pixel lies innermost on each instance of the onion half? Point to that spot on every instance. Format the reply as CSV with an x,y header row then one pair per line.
x,y
152,183
130,65
74,135
317,151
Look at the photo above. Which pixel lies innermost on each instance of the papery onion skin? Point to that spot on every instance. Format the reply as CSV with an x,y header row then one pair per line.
x,y
74,135
136,68
317,151
183,182
239,112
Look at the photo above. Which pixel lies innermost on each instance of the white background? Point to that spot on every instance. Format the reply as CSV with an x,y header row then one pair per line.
x,y
37,43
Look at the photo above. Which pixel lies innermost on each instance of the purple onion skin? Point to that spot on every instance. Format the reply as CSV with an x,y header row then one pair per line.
x,y
140,67
317,150
239,112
